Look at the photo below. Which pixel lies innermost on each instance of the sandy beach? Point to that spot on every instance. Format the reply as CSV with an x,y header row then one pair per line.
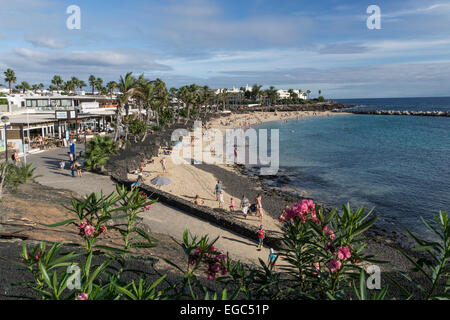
x,y
191,180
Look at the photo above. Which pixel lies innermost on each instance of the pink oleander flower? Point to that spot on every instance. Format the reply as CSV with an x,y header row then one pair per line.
x,y
211,276
316,266
103,229
344,253
83,225
192,260
89,230
300,210
334,265
82,296
147,208
329,233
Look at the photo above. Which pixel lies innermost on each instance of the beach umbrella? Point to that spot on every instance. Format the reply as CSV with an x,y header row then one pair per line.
x,y
160,181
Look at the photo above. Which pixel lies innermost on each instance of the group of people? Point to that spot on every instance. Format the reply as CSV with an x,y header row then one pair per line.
x,y
246,208
75,166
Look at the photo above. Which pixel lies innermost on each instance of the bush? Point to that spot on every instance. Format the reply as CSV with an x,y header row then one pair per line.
x,y
156,128
98,151
13,176
322,258
3,101
137,127
166,116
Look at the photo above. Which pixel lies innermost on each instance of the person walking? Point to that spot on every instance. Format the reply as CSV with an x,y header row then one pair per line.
x,y
259,208
261,236
245,203
77,166
163,164
221,201
272,259
16,158
73,168
218,189
233,204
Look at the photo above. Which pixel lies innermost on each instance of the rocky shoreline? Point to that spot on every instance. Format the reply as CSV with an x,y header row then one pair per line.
x,y
401,113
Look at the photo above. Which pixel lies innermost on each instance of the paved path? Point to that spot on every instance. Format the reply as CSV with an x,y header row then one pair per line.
x,y
161,218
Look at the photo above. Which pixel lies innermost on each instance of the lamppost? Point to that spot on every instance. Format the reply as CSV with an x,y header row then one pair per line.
x,y
5,121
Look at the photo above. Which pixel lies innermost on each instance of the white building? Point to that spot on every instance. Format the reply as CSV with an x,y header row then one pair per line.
x,y
284,94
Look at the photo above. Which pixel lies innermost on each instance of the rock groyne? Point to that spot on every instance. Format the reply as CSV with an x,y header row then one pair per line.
x,y
401,113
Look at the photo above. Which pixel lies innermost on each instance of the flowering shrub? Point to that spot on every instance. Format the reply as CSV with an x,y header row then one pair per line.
x,y
321,259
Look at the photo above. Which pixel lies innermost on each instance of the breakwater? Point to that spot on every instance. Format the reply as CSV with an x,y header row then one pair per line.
x,y
400,113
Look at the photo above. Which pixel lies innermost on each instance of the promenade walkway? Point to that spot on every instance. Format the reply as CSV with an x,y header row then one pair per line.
x,y
160,219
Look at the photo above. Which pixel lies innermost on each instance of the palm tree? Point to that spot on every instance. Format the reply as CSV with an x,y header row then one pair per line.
x,y
41,86
92,80
256,92
162,97
10,77
35,88
308,92
110,86
99,85
81,84
58,82
98,151
24,86
76,82
320,93
272,94
127,88
52,88
69,86
146,94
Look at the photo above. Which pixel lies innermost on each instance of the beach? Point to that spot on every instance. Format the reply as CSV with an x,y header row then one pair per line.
x,y
191,180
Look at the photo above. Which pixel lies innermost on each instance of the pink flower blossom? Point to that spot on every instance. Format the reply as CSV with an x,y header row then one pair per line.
x,y
344,253
147,207
334,265
83,225
103,229
329,233
89,230
82,296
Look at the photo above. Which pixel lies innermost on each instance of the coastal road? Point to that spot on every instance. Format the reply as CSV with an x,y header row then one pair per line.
x,y
161,218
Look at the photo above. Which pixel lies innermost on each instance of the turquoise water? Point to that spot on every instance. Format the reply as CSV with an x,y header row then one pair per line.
x,y
401,104
400,165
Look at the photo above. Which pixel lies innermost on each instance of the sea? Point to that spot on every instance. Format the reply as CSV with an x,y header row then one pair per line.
x,y
397,165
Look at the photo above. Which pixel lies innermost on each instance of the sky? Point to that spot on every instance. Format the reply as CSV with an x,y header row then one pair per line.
x,y
316,45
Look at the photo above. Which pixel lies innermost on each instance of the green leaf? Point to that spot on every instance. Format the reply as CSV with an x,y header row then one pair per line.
x,y
62,223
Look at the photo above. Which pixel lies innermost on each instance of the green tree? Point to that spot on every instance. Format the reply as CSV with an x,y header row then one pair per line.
x,y
99,85
24,86
127,87
98,151
92,81
58,82
10,77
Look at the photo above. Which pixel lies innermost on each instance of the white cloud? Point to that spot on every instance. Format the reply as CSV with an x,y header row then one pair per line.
x,y
46,42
